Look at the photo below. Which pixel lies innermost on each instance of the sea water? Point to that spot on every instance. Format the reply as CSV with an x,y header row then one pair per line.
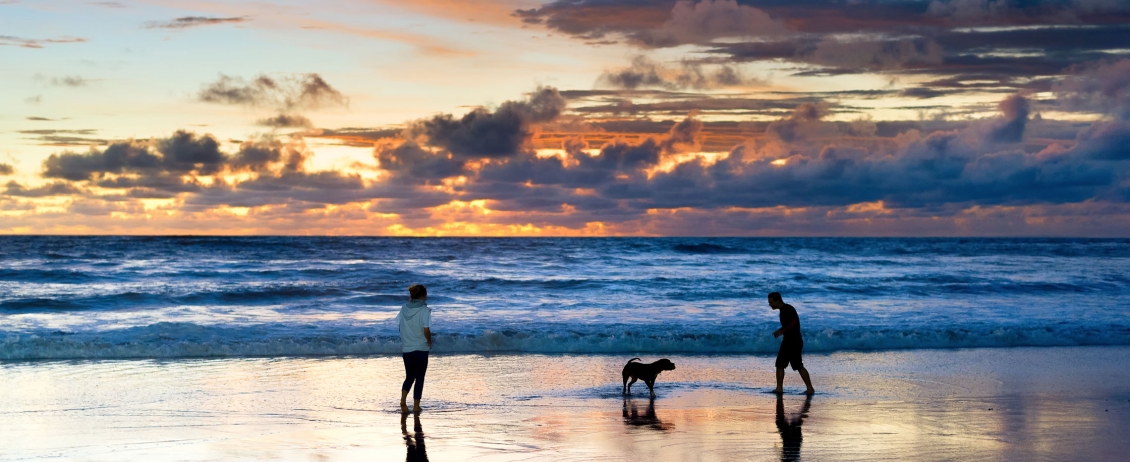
x,y
159,297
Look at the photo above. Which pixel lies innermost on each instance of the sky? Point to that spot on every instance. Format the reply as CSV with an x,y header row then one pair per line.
x,y
566,118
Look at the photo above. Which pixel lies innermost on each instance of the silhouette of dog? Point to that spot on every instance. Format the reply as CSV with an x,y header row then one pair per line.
x,y
646,372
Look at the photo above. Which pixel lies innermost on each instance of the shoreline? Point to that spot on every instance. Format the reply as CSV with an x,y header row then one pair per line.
x,y
1028,403
507,353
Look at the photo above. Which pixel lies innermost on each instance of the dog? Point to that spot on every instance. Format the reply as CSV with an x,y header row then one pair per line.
x,y
646,372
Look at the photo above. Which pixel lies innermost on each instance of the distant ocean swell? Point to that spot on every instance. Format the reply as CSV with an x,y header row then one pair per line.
x,y
73,297
183,340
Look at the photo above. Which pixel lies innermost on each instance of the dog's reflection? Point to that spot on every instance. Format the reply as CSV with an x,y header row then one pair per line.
x,y
791,437
648,419
414,441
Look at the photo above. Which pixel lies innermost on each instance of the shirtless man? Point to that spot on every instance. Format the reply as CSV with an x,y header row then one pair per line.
x,y
791,345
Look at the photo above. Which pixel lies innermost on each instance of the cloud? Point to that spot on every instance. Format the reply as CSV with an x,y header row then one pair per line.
x,y
647,73
6,169
194,21
301,91
1026,46
1102,87
706,20
182,153
535,163
69,81
53,189
1014,110
872,54
8,40
57,137
994,11
286,121
482,133
804,122
39,119
809,163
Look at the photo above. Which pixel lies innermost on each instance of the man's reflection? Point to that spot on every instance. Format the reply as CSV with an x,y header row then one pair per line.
x,y
790,429
648,419
413,441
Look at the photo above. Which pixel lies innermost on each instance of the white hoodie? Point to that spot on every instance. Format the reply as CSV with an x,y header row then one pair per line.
x,y
414,317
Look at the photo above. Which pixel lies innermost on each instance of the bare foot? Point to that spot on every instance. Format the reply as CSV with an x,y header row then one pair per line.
x,y
809,392
415,409
403,408
779,391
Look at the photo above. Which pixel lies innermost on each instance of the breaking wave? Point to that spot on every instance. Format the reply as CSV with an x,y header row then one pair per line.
x,y
180,340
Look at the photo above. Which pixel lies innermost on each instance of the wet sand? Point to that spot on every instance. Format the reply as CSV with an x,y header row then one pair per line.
x,y
1063,403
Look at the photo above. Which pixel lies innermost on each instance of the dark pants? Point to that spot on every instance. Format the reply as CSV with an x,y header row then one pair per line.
x,y
790,353
415,366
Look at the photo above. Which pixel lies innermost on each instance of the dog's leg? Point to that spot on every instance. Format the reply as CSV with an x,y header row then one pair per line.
x,y
630,385
651,387
624,389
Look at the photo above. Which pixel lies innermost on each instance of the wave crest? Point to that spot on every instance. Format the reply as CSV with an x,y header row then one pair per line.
x,y
178,340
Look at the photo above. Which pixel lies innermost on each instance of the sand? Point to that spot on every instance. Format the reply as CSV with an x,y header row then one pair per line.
x,y
1030,404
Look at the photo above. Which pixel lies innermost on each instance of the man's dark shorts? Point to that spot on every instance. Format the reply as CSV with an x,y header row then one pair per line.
x,y
790,354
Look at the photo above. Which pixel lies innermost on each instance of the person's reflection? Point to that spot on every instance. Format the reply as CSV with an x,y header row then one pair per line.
x,y
648,419
790,429
413,441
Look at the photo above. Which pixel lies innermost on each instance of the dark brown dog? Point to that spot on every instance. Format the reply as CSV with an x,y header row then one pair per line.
x,y
645,372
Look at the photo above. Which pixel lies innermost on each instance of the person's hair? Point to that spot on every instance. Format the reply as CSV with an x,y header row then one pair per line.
x,y
417,291
775,296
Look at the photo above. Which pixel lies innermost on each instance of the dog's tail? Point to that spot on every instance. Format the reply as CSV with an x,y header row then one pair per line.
x,y
633,359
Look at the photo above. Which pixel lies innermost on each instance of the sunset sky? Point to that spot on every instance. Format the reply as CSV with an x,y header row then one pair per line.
x,y
571,117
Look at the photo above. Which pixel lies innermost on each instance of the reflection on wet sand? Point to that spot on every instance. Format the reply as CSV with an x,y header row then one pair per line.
x,y
414,441
791,436
648,419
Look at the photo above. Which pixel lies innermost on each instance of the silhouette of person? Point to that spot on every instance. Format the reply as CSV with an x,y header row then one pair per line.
x,y
791,345
648,419
414,442
791,437
414,321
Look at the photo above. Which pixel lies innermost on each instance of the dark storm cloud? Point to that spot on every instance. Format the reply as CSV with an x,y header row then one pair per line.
x,y
117,158
821,164
1000,12
1106,141
637,19
169,167
183,153
482,133
6,169
1026,39
193,21
617,161
305,91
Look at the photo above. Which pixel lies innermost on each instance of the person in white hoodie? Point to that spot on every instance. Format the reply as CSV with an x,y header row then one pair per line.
x,y
415,320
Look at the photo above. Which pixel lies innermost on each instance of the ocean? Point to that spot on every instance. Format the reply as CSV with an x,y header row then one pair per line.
x,y
70,297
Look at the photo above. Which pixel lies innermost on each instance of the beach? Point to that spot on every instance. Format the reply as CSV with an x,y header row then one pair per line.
x,y
1045,403
279,348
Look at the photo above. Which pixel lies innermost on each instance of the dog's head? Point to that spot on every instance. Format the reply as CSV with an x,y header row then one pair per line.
x,y
665,365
